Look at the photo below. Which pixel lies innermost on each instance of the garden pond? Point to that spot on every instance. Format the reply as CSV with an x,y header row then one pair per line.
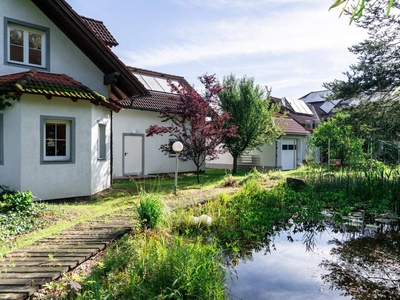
x,y
321,260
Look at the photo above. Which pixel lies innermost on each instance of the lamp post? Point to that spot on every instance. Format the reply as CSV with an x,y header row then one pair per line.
x,y
177,147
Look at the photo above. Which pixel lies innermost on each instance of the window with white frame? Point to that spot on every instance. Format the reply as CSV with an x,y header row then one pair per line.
x,y
26,45
102,154
1,140
57,137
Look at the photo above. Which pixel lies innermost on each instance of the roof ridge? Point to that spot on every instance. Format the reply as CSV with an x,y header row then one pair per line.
x,y
154,72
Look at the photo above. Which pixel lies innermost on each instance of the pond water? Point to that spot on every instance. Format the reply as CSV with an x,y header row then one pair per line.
x,y
319,262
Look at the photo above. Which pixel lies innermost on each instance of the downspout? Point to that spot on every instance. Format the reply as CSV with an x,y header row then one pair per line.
x,y
276,154
111,148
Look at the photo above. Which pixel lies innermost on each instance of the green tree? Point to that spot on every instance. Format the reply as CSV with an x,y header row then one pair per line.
x,y
355,8
336,136
374,81
377,69
251,111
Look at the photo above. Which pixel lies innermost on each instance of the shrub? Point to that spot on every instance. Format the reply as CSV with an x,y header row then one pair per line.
x,y
150,210
15,200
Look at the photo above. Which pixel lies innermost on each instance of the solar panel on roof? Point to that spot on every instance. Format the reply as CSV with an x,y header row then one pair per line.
x,y
152,82
142,81
164,84
304,107
299,106
329,105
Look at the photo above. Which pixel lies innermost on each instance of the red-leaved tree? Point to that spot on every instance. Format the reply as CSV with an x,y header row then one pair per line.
x,y
195,122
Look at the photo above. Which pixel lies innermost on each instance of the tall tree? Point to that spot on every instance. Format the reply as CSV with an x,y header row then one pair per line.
x,y
195,122
374,80
377,69
251,111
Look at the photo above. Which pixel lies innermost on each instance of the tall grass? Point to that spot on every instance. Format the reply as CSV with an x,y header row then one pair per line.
x,y
377,190
153,267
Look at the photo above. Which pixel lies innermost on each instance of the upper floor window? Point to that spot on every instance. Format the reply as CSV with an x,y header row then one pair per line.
x,y
26,45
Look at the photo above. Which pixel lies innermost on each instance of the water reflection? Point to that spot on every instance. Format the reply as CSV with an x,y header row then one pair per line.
x,y
318,260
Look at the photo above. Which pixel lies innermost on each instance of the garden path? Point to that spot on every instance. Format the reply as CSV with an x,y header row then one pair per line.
x,y
24,271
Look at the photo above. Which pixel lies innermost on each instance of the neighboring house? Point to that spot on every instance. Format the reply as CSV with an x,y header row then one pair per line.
x,y
303,113
134,153
286,153
322,107
57,140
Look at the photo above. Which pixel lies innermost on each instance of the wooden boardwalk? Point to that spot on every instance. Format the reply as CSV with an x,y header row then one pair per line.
x,y
24,271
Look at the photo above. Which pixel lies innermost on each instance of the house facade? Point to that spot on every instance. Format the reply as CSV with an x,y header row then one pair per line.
x,y
134,153
56,137
286,153
73,127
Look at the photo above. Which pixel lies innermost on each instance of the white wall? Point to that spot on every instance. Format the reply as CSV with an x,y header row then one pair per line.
x,y
101,169
22,167
65,57
129,120
10,171
270,154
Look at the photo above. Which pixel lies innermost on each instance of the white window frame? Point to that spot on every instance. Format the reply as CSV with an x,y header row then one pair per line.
x,y
27,28
70,139
102,142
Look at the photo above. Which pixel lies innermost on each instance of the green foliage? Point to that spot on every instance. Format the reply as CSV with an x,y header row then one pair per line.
x,y
15,200
251,111
143,267
6,100
18,214
356,10
336,135
150,210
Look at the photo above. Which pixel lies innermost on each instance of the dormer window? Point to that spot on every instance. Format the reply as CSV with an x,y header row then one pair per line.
x,y
27,45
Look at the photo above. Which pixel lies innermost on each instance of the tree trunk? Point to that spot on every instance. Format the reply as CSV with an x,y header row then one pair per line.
x,y
198,174
234,167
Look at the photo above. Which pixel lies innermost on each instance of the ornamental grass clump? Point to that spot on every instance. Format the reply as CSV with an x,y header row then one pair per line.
x,y
150,210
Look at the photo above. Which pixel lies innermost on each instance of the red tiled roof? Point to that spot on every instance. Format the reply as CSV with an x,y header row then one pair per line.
x,y
155,102
292,127
91,43
101,31
49,85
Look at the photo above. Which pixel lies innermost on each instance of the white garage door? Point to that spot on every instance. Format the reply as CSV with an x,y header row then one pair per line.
x,y
288,154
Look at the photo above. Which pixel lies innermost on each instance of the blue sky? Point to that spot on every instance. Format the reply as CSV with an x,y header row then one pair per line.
x,y
291,46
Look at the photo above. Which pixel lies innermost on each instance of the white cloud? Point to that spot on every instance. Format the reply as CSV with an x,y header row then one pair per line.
x,y
288,32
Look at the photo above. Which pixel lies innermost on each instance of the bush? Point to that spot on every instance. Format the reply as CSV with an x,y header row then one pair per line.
x,y
150,210
15,200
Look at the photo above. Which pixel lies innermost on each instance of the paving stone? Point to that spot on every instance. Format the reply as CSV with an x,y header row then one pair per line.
x,y
13,296
38,276
24,270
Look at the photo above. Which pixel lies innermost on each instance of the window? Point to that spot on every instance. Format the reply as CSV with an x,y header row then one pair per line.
x,y
57,136
102,154
26,44
1,140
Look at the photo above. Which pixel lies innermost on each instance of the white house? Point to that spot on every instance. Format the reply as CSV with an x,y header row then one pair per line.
x,y
134,153
57,140
287,153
